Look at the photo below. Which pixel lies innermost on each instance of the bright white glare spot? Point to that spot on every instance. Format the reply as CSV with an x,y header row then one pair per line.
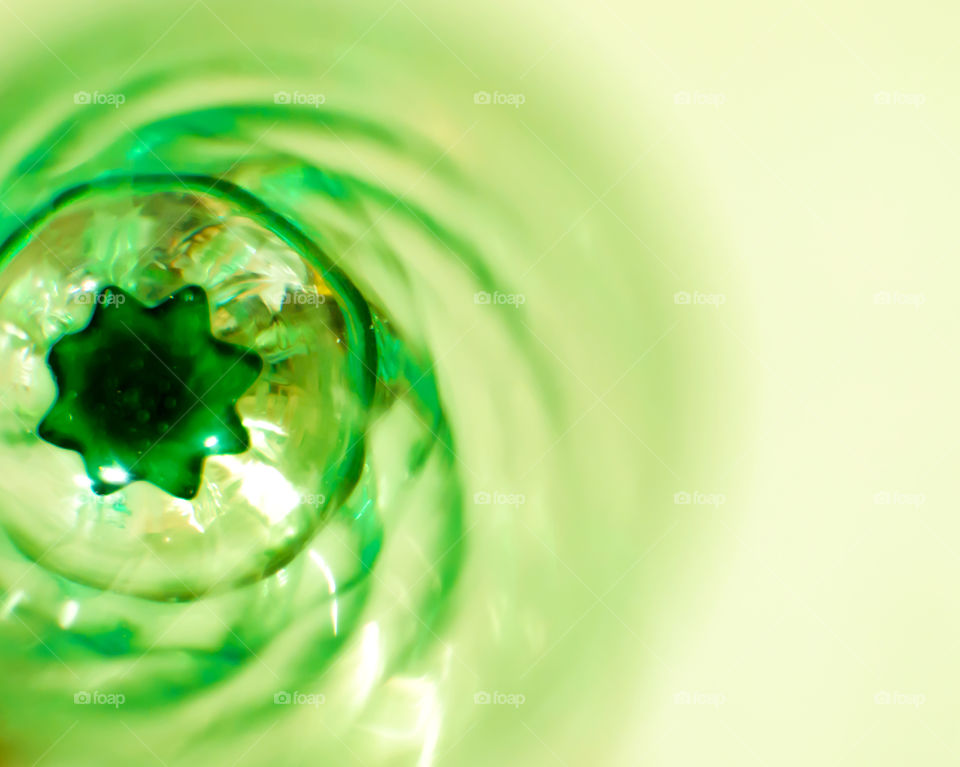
x,y
115,475
11,604
265,488
68,614
255,423
210,442
371,659
258,431
331,587
12,329
325,569
188,511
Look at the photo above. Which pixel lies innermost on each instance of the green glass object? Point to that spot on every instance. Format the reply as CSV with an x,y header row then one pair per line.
x,y
147,393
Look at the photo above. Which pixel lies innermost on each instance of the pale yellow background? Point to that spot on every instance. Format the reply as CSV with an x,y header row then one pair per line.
x,y
810,597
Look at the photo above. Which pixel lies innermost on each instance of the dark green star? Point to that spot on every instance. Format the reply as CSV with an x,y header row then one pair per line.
x,y
148,392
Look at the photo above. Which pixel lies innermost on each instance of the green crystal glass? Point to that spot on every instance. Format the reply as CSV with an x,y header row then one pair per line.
x,y
382,521
193,386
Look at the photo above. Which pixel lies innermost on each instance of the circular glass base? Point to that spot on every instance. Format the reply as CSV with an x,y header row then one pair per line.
x,y
251,510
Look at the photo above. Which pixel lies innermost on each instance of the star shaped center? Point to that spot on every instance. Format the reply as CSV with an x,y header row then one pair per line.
x,y
147,393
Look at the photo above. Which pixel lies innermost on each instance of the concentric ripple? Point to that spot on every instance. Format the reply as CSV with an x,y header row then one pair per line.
x,y
162,595
384,555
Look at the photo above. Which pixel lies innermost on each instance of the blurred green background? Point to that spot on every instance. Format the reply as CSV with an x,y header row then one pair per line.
x,y
732,229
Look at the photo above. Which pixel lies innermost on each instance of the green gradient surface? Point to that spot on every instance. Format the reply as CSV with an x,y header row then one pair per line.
x,y
641,328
